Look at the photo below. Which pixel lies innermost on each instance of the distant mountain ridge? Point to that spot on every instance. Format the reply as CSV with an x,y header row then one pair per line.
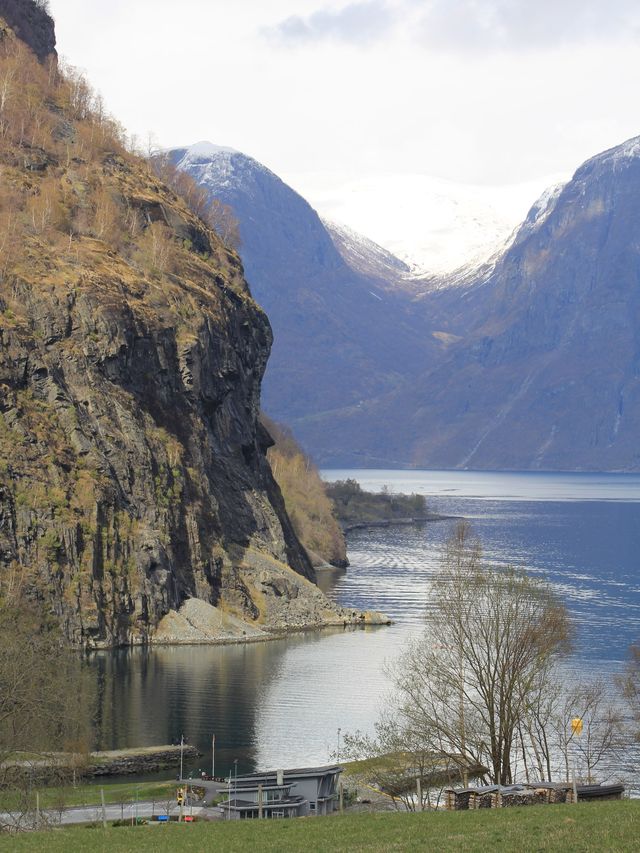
x,y
342,333
542,364
434,225
531,361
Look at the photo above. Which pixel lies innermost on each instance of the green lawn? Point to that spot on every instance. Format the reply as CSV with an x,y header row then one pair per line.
x,y
366,765
89,795
585,828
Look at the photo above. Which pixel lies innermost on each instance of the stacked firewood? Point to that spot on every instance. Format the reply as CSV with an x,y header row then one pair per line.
x,y
506,796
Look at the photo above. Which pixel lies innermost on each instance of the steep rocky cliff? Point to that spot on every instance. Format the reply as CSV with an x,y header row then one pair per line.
x,y
133,478
30,20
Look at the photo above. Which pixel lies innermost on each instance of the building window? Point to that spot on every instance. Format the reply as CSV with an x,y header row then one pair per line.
x,y
312,807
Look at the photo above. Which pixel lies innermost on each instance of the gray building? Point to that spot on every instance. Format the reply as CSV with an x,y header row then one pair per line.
x,y
283,793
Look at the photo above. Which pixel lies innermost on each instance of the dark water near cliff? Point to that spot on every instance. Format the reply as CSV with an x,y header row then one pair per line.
x,y
284,703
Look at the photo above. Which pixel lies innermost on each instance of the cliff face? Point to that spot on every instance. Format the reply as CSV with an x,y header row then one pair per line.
x,y
133,475
31,22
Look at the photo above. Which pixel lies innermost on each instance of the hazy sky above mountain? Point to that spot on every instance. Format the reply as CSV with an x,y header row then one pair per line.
x,y
488,92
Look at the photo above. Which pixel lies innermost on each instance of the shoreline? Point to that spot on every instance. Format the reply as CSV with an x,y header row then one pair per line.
x,y
266,637
113,762
276,635
389,522
357,620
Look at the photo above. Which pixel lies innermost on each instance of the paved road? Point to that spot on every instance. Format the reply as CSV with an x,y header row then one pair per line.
x,y
118,811
91,814
211,789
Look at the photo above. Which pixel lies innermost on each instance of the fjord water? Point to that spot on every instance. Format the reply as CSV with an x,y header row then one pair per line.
x,y
288,702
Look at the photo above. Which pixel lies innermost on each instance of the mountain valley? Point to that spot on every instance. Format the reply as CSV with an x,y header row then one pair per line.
x,y
528,362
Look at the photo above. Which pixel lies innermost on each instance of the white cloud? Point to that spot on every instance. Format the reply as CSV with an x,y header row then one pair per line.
x,y
358,23
379,101
478,25
518,24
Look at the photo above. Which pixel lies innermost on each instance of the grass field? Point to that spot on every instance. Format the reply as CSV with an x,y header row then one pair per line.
x,y
585,828
89,795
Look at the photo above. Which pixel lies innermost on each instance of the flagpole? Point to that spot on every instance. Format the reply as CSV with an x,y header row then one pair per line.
x,y
213,756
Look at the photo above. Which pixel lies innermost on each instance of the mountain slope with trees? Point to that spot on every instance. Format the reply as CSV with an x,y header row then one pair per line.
x,y
307,498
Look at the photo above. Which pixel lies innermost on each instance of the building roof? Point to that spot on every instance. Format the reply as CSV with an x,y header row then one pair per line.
x,y
289,803
298,772
242,786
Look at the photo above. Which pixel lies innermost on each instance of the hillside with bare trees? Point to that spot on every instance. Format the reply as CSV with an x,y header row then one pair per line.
x,y
133,475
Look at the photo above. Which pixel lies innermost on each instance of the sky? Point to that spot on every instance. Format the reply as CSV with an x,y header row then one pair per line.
x,y
490,93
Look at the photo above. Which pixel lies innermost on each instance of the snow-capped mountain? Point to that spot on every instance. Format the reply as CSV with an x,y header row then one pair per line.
x,y
531,361
342,332
540,360
433,225
366,256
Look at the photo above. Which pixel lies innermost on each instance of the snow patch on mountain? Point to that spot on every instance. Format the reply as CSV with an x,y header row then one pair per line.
x,y
539,213
545,204
435,226
218,167
364,255
205,150
629,150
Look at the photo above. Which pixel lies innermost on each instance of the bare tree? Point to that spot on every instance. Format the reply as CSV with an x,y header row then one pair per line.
x,y
213,212
630,684
221,218
107,217
46,706
157,248
600,739
562,750
482,688
491,638
401,763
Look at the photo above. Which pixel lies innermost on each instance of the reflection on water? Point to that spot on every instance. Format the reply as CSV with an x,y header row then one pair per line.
x,y
268,704
282,703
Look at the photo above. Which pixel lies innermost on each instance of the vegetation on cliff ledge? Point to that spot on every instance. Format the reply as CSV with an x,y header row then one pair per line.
x,y
311,511
355,507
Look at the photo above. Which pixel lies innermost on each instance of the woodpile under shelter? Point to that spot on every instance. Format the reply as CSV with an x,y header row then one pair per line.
x,y
530,794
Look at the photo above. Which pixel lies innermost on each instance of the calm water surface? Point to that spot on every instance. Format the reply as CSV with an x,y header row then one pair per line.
x,y
286,702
